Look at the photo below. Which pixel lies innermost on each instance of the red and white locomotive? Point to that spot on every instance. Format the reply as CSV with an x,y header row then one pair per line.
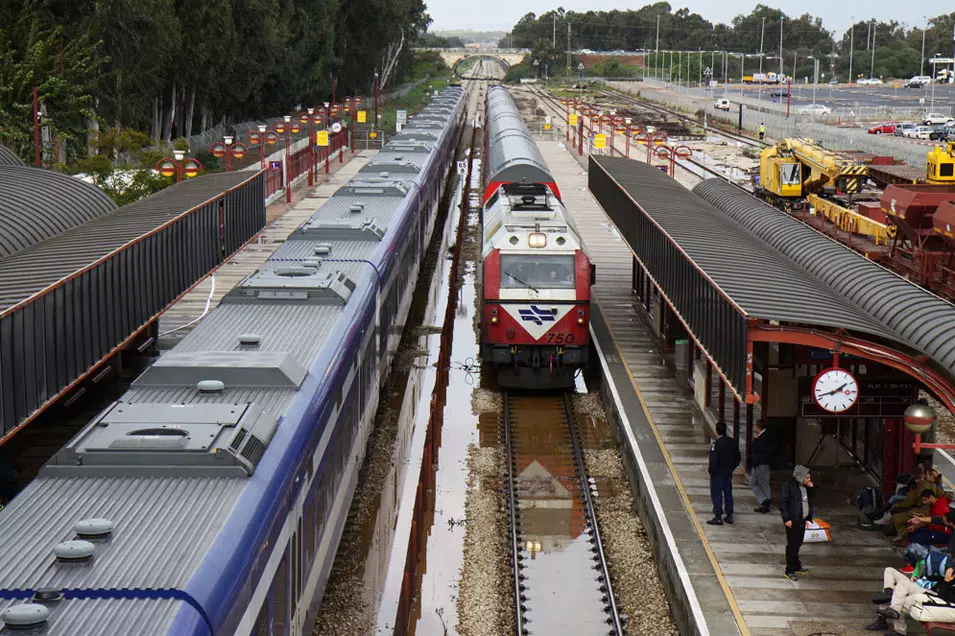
x,y
536,275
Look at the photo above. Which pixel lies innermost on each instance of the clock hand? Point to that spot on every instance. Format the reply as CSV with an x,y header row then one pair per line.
x,y
838,390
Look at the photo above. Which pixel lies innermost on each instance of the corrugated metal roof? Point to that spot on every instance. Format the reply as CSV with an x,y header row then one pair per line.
x,y
37,204
33,269
748,270
915,316
10,158
149,548
106,616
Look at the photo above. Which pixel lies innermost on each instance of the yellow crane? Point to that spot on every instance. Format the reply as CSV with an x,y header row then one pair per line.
x,y
793,174
940,164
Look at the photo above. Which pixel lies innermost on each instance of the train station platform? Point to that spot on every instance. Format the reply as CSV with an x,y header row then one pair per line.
x,y
726,579
176,323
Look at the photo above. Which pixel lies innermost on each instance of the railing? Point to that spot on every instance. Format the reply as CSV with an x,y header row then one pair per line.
x,y
299,160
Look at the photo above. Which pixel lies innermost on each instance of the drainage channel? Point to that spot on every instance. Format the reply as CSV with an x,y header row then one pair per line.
x,y
561,578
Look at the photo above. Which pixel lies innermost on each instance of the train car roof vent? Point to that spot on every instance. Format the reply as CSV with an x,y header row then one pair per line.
x,y
25,616
76,551
210,386
356,208
47,596
384,175
323,249
250,339
97,528
399,158
167,440
310,262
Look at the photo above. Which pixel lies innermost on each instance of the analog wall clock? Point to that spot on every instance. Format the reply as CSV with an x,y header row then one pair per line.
x,y
835,390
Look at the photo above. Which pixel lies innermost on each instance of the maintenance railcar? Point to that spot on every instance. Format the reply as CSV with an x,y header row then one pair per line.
x,y
210,499
536,275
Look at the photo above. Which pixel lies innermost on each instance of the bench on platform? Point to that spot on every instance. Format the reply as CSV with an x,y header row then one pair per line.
x,y
931,627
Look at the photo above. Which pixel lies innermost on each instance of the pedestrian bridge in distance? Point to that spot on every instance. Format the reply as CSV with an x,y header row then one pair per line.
x,y
505,57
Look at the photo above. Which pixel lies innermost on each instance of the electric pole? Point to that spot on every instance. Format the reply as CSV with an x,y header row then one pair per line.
x,y
762,34
781,74
568,49
554,41
852,41
656,56
922,62
872,68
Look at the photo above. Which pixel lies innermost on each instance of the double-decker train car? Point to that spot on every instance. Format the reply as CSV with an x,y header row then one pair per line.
x,y
536,276
211,498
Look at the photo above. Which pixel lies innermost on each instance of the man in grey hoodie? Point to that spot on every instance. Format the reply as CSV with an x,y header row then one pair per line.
x,y
795,505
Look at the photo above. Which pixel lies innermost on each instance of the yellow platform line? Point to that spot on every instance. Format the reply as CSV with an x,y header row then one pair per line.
x,y
737,613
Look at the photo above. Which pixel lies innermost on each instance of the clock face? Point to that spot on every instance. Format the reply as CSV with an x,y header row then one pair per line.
x,y
835,390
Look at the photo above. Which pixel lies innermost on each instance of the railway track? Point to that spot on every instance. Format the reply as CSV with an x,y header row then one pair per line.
x,y
560,575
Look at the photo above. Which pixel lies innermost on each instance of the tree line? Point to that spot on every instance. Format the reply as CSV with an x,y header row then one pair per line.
x,y
172,68
898,47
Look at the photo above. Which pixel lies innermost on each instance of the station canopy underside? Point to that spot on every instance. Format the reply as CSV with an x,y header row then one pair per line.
x,y
724,259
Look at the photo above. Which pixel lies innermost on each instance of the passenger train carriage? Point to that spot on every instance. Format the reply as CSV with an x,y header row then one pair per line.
x,y
219,484
536,275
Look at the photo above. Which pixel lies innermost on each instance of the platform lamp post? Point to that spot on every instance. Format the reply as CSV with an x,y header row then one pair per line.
x,y
284,127
580,71
179,166
328,149
374,124
229,149
37,116
311,149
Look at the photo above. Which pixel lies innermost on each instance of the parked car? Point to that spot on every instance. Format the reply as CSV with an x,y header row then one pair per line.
x,y
936,118
883,129
721,104
942,133
815,109
779,92
919,132
871,81
918,81
901,128
833,82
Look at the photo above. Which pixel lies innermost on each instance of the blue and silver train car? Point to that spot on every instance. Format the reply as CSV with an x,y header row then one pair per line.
x,y
210,499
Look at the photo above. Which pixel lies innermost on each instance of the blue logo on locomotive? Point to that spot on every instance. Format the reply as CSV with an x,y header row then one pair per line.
x,y
537,315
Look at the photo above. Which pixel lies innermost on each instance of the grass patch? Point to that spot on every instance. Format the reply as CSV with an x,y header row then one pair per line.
x,y
413,102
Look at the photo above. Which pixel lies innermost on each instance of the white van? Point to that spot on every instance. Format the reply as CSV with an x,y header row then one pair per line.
x,y
721,104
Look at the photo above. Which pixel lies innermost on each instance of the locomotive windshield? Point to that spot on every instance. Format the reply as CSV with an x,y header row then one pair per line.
x,y
537,271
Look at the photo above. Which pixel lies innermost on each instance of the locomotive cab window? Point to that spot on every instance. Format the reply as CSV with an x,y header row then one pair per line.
x,y
537,271
527,196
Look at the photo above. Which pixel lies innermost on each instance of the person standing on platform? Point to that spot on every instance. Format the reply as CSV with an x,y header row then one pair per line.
x,y
762,453
724,458
762,131
795,505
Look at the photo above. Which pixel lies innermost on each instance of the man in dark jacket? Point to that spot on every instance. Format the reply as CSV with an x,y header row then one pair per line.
x,y
762,452
795,505
724,458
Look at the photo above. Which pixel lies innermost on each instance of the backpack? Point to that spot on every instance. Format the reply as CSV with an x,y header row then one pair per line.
x,y
870,505
914,552
931,568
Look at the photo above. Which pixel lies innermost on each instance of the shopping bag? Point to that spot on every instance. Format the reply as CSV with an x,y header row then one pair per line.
x,y
817,531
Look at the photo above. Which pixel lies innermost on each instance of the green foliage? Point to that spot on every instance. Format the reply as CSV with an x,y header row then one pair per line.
x,y
172,68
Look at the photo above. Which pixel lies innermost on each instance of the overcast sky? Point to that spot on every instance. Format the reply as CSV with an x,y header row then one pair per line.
x,y
502,14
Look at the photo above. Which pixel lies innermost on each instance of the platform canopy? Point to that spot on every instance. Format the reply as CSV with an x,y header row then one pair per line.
x,y
735,269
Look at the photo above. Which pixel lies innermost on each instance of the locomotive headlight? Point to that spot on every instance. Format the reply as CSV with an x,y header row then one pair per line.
x,y
537,239
580,316
493,316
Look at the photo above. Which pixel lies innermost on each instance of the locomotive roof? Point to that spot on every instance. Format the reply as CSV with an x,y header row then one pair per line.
x,y
512,156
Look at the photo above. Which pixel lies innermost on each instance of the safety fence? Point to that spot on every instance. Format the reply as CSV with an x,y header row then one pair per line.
x,y
779,126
